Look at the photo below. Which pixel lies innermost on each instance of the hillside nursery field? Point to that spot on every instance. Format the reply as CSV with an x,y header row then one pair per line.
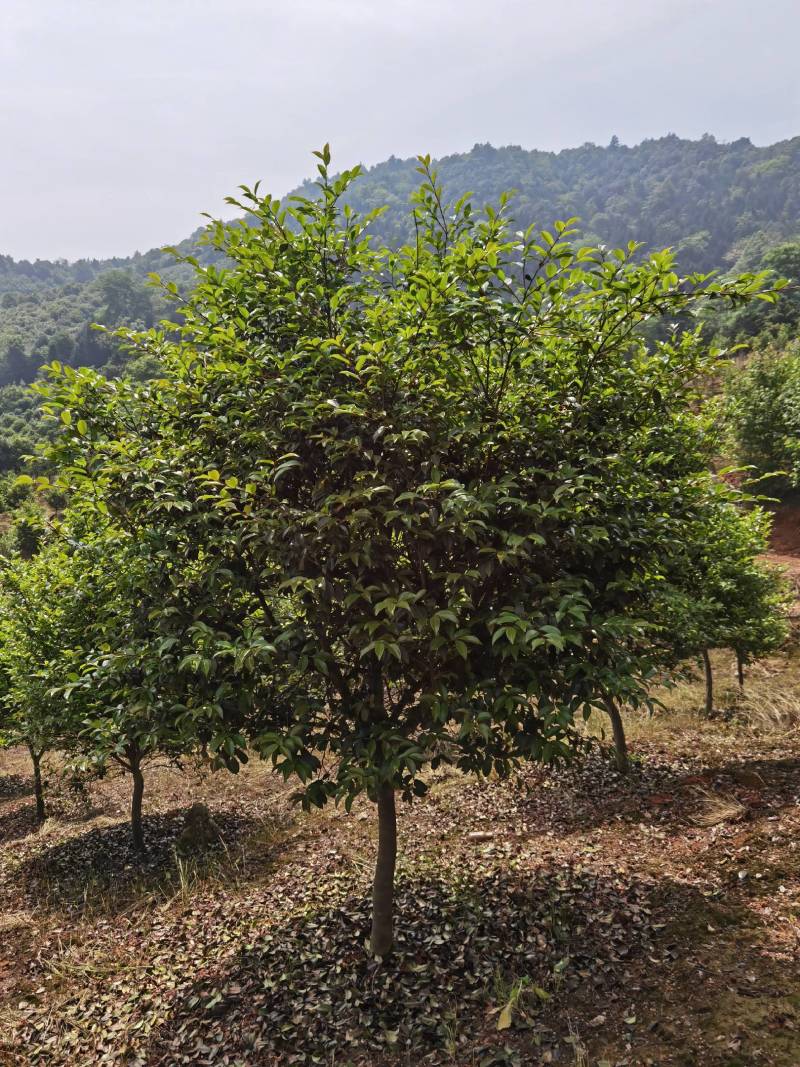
x,y
400,569
569,916
315,635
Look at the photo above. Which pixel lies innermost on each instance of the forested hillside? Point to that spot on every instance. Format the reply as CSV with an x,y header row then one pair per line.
x,y
718,205
721,206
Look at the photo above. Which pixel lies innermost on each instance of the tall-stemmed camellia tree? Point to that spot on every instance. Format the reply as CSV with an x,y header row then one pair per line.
x,y
124,675
43,616
709,589
428,482
84,670
719,592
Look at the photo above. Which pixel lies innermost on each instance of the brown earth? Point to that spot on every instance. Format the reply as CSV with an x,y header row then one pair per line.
x,y
570,917
785,548
785,537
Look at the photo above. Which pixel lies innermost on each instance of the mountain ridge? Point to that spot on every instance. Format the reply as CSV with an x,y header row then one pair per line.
x,y
723,206
705,150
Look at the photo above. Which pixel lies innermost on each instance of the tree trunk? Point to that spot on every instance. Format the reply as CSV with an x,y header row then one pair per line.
x,y
620,743
38,789
740,668
136,808
383,887
709,682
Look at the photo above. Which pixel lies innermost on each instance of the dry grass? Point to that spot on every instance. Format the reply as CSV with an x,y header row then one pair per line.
x,y
769,705
717,808
773,708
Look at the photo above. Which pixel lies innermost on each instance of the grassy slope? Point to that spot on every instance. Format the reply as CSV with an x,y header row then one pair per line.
x,y
658,918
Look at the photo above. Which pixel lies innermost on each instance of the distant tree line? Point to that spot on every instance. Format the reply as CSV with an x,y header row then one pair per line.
x,y
717,205
728,207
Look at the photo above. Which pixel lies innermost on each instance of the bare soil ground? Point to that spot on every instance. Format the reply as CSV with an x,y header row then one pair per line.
x,y
786,530
569,917
785,548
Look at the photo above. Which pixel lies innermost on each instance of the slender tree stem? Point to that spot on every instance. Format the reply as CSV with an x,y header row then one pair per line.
x,y
709,682
137,830
38,788
383,887
740,668
620,742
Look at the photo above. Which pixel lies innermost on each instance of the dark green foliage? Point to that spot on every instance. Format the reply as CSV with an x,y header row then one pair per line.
x,y
405,503
346,448
777,322
762,405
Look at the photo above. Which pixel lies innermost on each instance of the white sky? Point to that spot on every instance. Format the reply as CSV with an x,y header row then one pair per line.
x,y
122,120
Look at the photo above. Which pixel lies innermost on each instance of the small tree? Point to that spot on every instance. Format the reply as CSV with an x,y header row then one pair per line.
x,y
76,650
42,615
762,407
756,594
125,674
407,498
721,594
759,620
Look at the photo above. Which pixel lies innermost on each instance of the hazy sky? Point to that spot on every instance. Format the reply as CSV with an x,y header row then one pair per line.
x,y
122,120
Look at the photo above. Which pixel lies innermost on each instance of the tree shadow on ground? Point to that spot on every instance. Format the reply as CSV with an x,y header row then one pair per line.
x,y
581,945
15,785
592,794
781,775
18,822
101,868
65,805
587,794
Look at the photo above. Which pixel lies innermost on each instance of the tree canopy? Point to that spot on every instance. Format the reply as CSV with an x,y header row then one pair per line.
x,y
405,503
762,408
